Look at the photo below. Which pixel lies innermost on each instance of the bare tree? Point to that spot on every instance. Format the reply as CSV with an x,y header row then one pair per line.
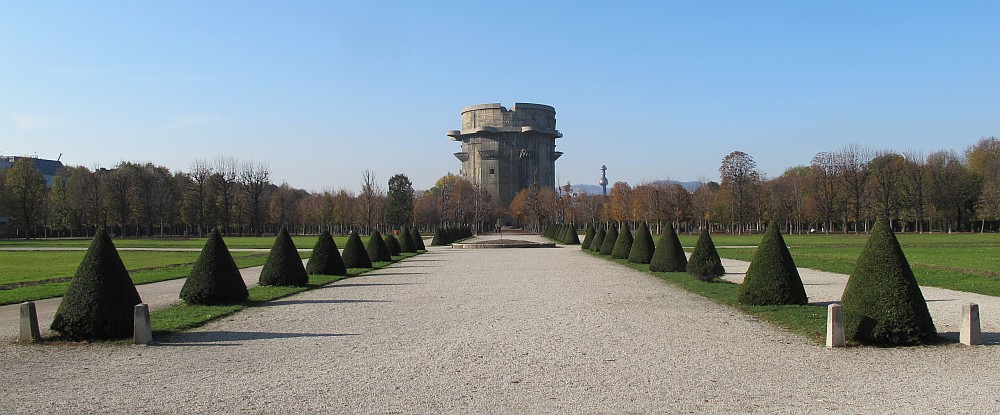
x,y
224,181
887,170
853,168
371,192
739,175
200,173
826,186
255,177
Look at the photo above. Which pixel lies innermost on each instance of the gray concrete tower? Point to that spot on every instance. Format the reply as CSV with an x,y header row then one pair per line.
x,y
506,150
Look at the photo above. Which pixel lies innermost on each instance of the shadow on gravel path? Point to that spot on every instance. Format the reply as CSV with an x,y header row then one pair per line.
x,y
196,337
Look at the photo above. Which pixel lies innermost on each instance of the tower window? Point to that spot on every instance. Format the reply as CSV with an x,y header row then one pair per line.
x,y
492,171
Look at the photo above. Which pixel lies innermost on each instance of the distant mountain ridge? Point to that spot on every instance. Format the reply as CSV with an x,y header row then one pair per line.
x,y
594,189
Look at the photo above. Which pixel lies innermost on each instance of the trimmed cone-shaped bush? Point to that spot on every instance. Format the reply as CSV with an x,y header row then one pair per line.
x,y
393,244
772,278
642,246
669,255
705,262
572,237
284,265
355,255
610,239
377,251
624,243
325,258
100,301
882,303
418,240
588,237
215,278
599,236
406,243
440,237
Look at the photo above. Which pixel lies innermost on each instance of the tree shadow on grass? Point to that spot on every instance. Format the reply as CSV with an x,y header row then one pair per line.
x,y
198,338
276,303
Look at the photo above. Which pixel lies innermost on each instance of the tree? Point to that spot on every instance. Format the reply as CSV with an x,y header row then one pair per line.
x,y
642,246
620,202
283,266
406,242
371,198
952,187
887,171
418,240
399,201
24,186
325,258
915,179
200,174
623,245
772,278
705,262
599,236
100,300
739,175
215,278
826,186
669,255
853,168
882,302
610,240
224,180
588,236
984,162
255,179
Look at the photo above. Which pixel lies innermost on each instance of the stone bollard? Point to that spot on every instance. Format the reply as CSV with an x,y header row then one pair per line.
x,y
971,333
29,324
835,326
143,332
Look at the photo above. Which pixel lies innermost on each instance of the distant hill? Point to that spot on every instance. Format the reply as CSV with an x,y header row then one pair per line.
x,y
594,189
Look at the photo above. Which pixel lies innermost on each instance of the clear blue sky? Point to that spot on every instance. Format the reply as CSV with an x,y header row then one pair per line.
x,y
324,90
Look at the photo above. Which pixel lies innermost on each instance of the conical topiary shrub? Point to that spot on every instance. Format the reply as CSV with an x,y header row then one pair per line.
x,y
418,240
642,246
599,235
772,278
440,237
215,278
588,237
377,251
100,301
669,255
882,303
355,255
393,244
283,266
406,240
705,262
624,243
325,258
572,238
610,238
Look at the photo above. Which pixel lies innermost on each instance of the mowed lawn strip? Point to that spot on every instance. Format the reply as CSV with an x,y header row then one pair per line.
x,y
960,262
184,317
233,242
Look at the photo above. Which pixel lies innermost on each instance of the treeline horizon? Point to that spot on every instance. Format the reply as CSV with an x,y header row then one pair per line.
x,y
843,190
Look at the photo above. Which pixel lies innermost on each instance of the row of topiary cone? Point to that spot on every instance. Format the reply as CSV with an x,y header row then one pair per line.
x,y
445,235
564,233
666,255
882,303
99,300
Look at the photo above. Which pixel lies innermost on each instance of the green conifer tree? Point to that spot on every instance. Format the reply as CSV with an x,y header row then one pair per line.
x,y
406,243
705,262
440,237
393,244
325,258
283,266
598,242
100,301
215,278
669,255
377,251
882,303
772,278
642,246
418,240
610,239
588,237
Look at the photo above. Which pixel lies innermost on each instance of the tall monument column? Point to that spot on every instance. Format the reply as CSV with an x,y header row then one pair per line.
x,y
505,151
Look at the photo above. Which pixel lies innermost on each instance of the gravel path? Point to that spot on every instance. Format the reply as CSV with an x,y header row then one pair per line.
x,y
496,331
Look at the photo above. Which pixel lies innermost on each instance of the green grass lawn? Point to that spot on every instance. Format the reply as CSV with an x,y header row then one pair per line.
x,y
233,242
962,262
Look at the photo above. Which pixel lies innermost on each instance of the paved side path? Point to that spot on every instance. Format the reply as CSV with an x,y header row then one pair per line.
x,y
496,331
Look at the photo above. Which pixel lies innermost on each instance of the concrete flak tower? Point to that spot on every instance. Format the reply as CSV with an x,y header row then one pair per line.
x,y
506,151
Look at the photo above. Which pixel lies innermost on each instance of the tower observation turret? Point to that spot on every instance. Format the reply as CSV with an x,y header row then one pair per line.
x,y
604,180
506,151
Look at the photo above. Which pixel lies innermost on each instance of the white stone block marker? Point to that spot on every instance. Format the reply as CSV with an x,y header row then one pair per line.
x,y
835,326
29,324
143,332
971,333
